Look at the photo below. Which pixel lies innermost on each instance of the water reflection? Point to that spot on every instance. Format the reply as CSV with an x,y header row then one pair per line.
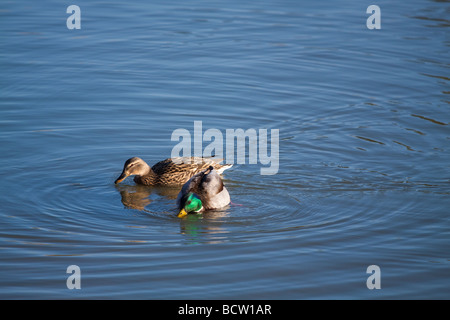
x,y
205,228
198,228
138,196
134,197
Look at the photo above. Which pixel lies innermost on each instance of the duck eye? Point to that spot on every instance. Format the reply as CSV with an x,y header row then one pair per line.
x,y
189,202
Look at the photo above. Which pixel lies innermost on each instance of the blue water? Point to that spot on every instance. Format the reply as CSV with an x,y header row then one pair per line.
x,y
364,144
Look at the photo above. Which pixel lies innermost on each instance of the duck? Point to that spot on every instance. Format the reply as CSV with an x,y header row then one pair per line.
x,y
168,172
203,191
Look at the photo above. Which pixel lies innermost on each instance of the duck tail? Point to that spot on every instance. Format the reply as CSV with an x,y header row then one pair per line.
x,y
223,168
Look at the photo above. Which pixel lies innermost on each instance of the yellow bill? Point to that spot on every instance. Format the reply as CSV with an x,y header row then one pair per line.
x,y
182,213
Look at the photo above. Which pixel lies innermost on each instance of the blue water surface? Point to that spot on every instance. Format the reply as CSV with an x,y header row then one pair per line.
x,y
363,119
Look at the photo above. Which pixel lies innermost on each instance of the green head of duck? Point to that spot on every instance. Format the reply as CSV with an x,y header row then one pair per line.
x,y
191,204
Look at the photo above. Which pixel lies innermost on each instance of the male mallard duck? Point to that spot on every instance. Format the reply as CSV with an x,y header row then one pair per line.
x,y
204,191
169,171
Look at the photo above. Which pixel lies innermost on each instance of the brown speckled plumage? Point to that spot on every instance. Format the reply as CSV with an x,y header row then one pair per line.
x,y
175,171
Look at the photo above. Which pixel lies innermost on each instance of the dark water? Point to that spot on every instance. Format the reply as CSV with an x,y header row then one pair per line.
x,y
363,176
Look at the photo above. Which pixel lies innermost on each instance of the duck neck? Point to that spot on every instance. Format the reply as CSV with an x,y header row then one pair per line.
x,y
149,178
147,171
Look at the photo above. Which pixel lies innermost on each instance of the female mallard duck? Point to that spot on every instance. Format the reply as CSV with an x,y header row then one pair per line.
x,y
204,191
168,172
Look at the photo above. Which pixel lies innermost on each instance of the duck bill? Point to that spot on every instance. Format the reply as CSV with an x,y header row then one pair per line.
x,y
182,213
122,177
